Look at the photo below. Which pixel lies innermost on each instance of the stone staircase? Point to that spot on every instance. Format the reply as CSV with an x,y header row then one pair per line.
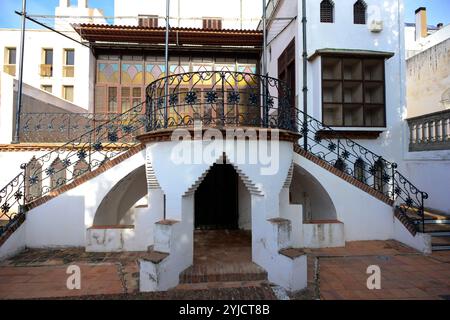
x,y
437,224
222,256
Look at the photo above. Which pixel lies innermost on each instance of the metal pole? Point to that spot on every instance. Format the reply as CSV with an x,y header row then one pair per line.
x,y
305,78
264,65
19,91
241,17
264,62
166,85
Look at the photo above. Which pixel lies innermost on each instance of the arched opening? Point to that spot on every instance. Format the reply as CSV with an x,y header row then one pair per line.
x,y
222,220
307,191
216,199
33,180
359,12
327,11
57,173
117,207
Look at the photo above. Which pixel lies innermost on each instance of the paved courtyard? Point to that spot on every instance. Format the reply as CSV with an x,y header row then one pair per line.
x,y
333,273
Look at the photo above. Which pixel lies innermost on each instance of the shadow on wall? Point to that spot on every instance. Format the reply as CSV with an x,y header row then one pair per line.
x,y
116,207
307,191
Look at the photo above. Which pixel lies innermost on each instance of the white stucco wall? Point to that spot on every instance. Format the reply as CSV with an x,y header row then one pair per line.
x,y
6,110
191,12
428,77
324,35
364,217
63,220
244,203
35,42
432,175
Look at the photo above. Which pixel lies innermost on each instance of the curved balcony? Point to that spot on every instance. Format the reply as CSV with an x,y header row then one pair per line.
x,y
219,99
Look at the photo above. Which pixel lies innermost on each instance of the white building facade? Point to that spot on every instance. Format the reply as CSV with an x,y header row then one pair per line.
x,y
308,156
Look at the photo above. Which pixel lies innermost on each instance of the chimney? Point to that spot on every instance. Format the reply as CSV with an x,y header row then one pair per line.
x,y
421,23
64,3
82,3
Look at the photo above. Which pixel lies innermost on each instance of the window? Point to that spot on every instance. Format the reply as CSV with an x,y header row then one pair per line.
x,y
57,173
212,23
327,11
10,61
69,62
121,79
68,93
359,12
47,66
48,56
379,175
148,21
11,55
353,92
69,57
47,88
359,170
33,180
286,73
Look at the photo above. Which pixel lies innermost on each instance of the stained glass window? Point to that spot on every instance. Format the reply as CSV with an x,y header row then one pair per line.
x,y
132,73
108,72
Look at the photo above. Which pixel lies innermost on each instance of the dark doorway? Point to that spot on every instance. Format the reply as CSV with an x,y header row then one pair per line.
x,y
216,199
286,73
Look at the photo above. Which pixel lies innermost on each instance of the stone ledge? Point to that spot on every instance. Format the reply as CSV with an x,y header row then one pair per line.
x,y
279,221
167,222
21,147
166,134
111,227
292,253
321,222
155,257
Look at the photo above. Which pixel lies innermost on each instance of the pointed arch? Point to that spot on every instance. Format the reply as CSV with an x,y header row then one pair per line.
x,y
327,11
33,180
81,167
57,174
359,12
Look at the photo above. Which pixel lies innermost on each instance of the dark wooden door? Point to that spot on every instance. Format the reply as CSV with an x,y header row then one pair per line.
x,y
286,73
216,199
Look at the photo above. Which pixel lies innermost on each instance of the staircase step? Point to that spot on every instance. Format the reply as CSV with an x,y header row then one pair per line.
x,y
214,285
230,272
440,241
434,227
439,233
429,221
440,248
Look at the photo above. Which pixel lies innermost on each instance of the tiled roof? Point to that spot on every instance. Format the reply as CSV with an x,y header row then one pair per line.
x,y
180,36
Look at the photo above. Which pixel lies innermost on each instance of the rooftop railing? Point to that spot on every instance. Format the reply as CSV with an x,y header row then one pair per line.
x,y
430,132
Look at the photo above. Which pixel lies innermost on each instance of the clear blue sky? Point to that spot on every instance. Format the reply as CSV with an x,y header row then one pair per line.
x,y
438,10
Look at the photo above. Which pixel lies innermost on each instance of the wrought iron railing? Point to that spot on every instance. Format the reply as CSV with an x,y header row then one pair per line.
x,y
364,165
430,132
219,99
60,127
64,164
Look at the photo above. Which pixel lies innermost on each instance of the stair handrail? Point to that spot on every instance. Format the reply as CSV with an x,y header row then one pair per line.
x,y
366,166
89,151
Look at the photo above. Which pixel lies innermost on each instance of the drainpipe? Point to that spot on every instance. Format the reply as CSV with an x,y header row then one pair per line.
x,y
305,78
19,91
166,85
264,66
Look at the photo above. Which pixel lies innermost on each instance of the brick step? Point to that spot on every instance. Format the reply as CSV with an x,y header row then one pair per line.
x,y
440,241
435,227
229,272
221,285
